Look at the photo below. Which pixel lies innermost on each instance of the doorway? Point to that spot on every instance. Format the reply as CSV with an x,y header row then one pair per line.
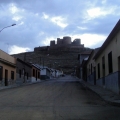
x,y
119,63
36,75
119,73
6,77
94,75
103,71
1,73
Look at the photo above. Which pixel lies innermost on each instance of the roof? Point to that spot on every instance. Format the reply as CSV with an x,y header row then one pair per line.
x,y
7,62
18,59
35,66
93,52
85,60
41,67
109,38
84,53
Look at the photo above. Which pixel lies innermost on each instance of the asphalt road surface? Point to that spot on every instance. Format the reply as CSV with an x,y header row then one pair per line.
x,y
61,99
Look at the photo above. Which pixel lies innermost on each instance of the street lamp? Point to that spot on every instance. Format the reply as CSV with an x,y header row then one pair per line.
x,y
8,26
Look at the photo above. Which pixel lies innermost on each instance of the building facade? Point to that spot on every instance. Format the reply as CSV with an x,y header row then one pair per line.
x,y
7,69
23,71
91,68
81,57
35,73
108,61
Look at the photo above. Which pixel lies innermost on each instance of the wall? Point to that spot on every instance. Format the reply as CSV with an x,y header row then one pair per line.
x,y
33,79
48,73
7,57
35,74
8,63
43,72
90,78
112,82
111,79
9,68
113,46
66,40
21,65
21,80
91,70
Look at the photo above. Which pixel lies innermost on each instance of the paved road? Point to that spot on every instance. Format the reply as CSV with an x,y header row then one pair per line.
x,y
61,99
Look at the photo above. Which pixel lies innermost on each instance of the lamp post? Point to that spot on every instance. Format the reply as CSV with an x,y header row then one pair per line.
x,y
7,27
1,67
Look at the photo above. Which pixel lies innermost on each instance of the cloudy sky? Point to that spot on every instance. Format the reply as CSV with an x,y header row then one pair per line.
x,y
39,21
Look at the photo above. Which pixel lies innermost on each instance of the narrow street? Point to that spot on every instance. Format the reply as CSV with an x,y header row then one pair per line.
x,y
61,99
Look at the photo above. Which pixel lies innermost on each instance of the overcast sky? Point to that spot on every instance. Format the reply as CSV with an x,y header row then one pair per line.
x,y
39,21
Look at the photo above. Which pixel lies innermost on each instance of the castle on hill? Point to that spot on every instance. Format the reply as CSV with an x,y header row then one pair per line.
x,y
64,44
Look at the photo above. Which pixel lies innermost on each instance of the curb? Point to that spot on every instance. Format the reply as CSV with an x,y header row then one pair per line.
x,y
111,102
15,86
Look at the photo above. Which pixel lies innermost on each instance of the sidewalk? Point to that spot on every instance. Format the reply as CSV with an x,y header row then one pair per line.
x,y
23,84
107,95
18,85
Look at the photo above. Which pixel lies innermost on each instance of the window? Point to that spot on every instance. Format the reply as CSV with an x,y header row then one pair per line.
x,y
19,73
110,65
103,62
38,74
103,66
1,72
12,75
98,70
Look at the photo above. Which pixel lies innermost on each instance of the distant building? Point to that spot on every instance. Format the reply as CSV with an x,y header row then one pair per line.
x,y
81,57
45,72
91,67
63,51
62,44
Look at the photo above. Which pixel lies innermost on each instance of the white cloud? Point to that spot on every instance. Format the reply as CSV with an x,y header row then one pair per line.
x,y
17,18
90,40
45,16
60,21
47,40
21,23
41,33
13,9
16,49
104,1
39,21
100,12
82,28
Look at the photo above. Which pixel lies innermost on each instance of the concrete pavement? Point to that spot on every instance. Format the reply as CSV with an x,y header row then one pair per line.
x,y
107,95
59,99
